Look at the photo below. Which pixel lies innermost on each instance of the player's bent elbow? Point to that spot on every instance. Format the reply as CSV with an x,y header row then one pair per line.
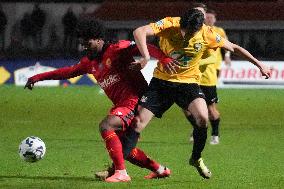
x,y
137,32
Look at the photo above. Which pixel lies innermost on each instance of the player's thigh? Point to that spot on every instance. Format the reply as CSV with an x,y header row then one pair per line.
x,y
198,109
142,118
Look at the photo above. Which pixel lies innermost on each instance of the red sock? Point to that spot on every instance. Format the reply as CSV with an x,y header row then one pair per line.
x,y
139,158
114,148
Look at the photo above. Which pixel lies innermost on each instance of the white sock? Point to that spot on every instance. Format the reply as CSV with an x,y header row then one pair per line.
x,y
123,171
161,169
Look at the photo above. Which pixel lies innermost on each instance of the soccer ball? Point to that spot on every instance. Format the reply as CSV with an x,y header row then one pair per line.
x,y
32,149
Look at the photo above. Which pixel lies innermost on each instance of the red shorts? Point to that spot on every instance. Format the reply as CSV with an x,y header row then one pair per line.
x,y
125,112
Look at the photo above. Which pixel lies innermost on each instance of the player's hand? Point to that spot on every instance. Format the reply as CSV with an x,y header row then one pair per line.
x,y
30,83
265,71
172,66
138,65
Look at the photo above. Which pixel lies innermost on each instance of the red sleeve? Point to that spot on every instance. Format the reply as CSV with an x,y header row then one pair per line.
x,y
154,52
64,73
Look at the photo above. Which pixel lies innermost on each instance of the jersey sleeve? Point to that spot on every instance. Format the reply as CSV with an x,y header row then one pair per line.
x,y
65,72
154,52
213,39
163,24
223,33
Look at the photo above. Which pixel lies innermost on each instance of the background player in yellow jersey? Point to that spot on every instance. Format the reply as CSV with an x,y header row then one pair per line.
x,y
209,68
185,39
210,20
208,82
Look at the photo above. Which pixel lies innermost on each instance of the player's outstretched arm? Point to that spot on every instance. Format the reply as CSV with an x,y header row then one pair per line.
x,y
265,70
58,74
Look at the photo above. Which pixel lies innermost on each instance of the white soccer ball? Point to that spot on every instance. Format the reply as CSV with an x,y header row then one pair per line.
x,y
32,149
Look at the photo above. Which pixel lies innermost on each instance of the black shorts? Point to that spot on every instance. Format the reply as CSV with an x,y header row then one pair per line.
x,y
161,95
210,93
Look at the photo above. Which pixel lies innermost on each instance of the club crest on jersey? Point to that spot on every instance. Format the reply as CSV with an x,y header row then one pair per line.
x,y
218,38
108,63
197,46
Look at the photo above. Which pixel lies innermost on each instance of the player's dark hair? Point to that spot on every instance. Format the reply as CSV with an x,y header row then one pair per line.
x,y
211,11
192,20
90,29
197,5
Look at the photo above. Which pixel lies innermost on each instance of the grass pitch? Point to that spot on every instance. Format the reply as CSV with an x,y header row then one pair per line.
x,y
250,154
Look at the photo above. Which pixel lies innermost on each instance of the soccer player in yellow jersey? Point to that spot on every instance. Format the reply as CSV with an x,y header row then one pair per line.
x,y
210,20
209,67
185,39
210,71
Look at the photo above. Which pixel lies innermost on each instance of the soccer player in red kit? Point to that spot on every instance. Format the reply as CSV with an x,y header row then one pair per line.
x,y
109,64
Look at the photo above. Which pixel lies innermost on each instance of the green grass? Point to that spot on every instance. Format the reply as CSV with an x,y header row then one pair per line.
x,y
250,155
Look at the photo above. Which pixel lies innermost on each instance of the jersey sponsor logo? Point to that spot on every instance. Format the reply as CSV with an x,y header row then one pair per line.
x,y
109,81
197,46
218,38
182,58
160,23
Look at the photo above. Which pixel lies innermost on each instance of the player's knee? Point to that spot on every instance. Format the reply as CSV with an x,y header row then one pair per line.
x,y
215,116
202,121
105,126
213,112
138,124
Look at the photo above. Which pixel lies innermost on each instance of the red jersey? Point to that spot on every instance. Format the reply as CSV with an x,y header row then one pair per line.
x,y
111,70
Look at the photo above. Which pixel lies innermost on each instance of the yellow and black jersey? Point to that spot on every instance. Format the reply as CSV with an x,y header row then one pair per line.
x,y
188,51
208,75
207,67
221,32
211,63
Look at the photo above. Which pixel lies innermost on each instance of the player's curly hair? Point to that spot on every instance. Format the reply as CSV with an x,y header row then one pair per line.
x,y
192,20
90,29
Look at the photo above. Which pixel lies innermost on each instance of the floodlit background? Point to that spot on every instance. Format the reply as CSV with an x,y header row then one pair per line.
x,y
66,116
